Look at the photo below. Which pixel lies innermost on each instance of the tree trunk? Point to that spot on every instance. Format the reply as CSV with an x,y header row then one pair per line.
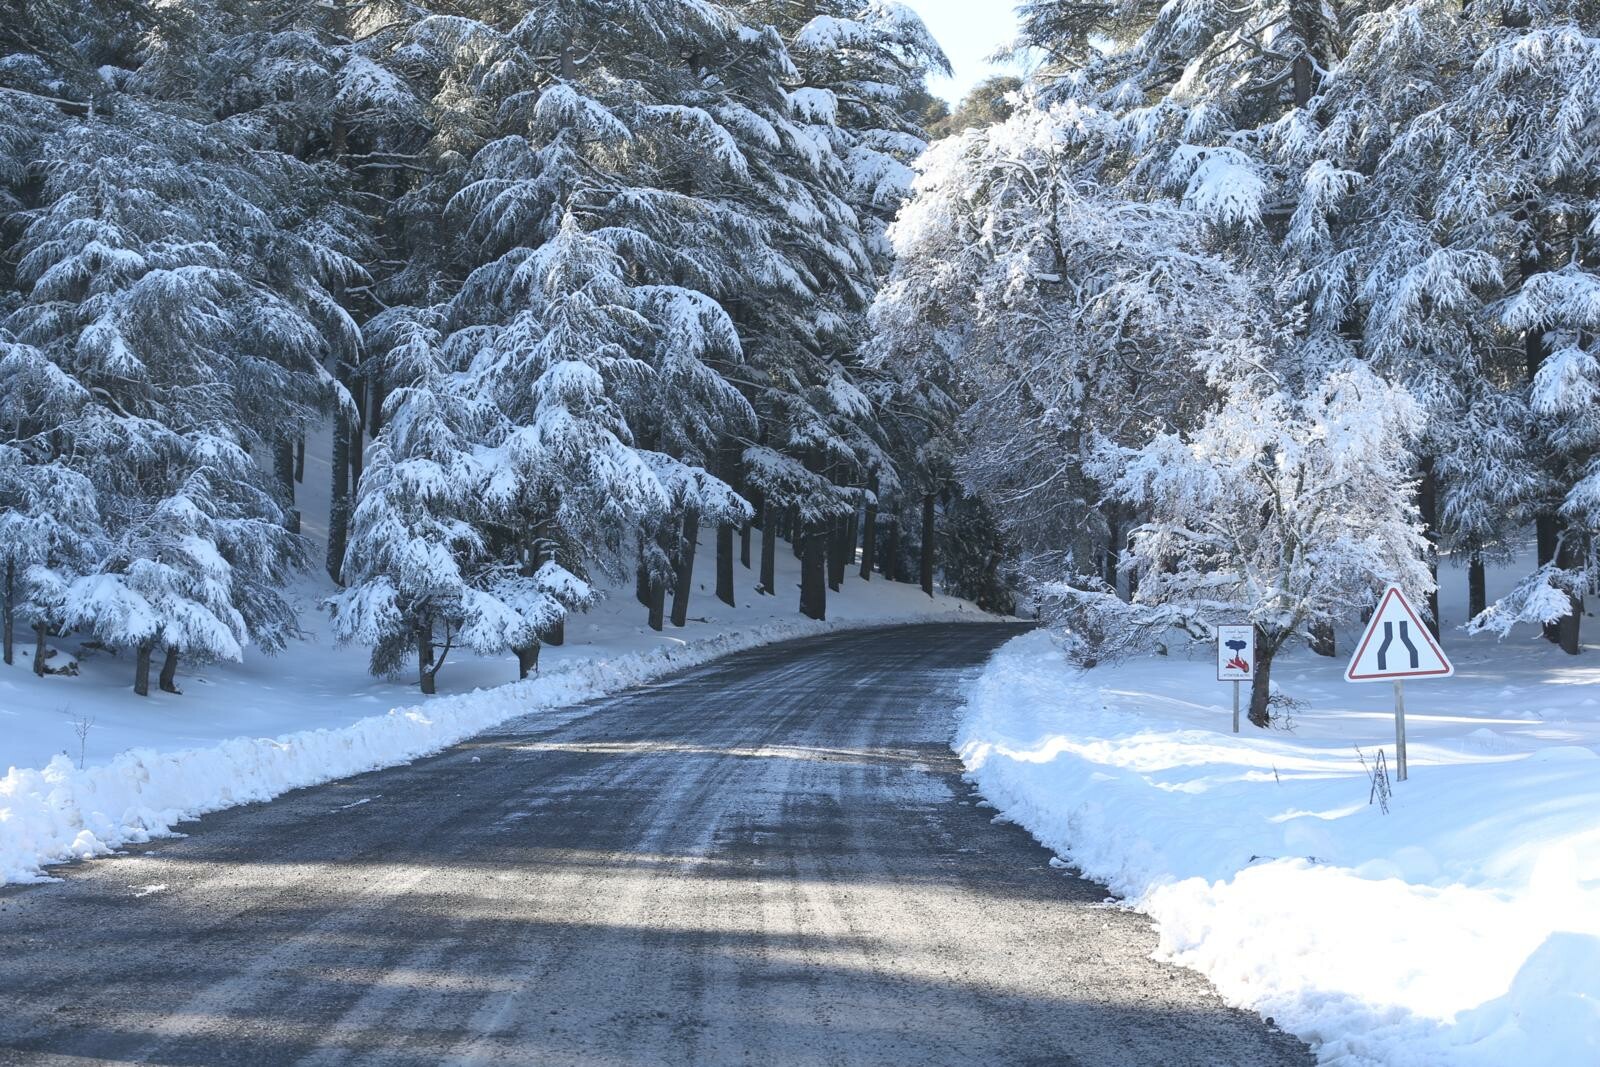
x,y
169,671
869,530
375,410
927,544
725,563
1322,640
358,437
838,535
685,569
425,672
1568,557
797,533
10,609
641,575
1261,683
528,660
40,652
1477,588
658,605
813,574
300,459
769,548
339,511
744,545
141,671
891,559
1113,518
283,462
1428,511
1547,534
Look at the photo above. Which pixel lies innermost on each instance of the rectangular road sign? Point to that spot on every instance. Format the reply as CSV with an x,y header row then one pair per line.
x,y
1236,653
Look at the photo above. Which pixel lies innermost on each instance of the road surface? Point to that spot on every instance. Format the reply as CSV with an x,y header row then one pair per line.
x,y
768,860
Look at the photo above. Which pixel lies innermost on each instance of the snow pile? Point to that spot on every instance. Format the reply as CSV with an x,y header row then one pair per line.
x,y
60,813
1463,927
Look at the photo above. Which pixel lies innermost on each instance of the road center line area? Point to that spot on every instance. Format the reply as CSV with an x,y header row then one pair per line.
x,y
773,859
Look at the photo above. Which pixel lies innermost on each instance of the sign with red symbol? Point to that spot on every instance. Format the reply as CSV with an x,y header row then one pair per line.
x,y
1397,645
1236,653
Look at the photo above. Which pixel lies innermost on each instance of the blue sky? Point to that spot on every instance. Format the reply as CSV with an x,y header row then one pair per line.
x,y
969,30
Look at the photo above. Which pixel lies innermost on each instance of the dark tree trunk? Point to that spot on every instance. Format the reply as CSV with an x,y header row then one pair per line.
x,y
769,549
426,672
169,671
869,530
813,573
725,563
744,545
1428,510
1322,640
40,652
658,605
891,560
284,456
339,510
685,568
1261,683
1477,588
838,546
641,576
358,453
1547,534
528,660
300,459
1570,556
1113,545
10,609
797,532
927,544
375,410
141,670
1547,528
283,462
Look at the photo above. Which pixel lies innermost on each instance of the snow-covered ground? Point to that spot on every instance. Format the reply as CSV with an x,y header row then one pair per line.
x,y
250,731
1463,927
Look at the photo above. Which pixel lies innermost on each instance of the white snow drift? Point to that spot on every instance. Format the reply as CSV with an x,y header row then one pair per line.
x,y
1462,928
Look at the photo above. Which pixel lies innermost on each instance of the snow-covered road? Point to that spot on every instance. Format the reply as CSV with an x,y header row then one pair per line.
x,y
771,859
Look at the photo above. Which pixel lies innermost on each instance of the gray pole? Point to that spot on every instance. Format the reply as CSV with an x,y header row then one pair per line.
x,y
1400,730
1236,705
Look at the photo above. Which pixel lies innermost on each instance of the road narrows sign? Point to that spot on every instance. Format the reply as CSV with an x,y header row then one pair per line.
x,y
1397,645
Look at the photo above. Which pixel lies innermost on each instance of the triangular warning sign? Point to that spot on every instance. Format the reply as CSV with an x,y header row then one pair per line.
x,y
1397,645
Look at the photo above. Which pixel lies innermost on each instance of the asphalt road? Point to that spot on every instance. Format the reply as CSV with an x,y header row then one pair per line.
x,y
770,860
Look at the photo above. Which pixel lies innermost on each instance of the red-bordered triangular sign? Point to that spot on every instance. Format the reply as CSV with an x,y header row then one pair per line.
x,y
1397,645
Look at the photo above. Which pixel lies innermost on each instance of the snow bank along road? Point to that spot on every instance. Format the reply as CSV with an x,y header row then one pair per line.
x,y
771,859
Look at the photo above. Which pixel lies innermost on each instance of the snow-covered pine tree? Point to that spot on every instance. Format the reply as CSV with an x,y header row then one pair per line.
x,y
49,516
156,275
421,573
565,457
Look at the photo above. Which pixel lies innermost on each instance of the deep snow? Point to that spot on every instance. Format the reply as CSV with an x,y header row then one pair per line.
x,y
1463,927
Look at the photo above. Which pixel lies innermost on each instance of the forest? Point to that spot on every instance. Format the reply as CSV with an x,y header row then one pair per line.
x,y
565,282
1222,314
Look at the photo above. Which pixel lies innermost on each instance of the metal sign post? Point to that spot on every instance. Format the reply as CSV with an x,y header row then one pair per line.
x,y
1397,646
1236,658
1399,730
